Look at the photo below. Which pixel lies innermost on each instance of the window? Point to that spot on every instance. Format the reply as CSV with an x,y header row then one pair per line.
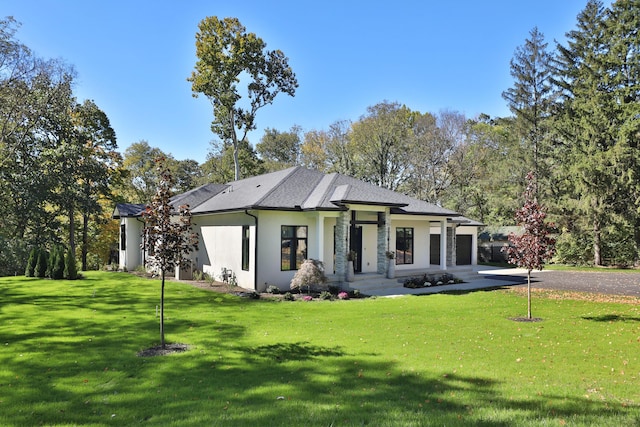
x,y
293,246
245,247
123,237
404,245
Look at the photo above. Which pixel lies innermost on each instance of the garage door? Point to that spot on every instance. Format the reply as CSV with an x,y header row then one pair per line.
x,y
463,249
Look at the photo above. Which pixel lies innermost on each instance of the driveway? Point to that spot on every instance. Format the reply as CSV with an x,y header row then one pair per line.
x,y
627,284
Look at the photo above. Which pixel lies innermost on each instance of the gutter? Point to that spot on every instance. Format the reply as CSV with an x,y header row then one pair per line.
x,y
255,252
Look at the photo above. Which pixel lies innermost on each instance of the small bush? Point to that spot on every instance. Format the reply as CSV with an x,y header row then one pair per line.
x,y
343,295
325,295
273,289
288,296
307,298
310,276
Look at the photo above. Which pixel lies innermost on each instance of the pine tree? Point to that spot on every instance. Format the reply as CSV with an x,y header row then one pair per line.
x,y
70,269
530,98
31,263
41,264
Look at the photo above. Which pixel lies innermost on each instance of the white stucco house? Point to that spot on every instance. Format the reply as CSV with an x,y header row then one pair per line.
x,y
262,228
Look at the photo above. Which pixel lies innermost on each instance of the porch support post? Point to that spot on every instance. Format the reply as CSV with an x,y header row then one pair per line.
x,y
451,246
320,236
384,226
443,244
474,248
342,236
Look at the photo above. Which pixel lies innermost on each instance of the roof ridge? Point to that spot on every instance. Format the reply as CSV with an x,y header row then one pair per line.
x,y
294,169
322,186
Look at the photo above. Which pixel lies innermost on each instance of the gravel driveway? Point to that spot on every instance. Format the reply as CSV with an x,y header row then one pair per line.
x,y
596,282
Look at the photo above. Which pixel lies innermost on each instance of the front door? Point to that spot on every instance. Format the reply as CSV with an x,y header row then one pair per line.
x,y
356,246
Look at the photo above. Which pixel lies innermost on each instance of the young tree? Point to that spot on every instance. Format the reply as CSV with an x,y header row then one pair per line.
x,y
228,55
170,238
534,247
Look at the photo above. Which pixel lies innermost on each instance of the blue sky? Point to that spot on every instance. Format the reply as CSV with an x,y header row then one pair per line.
x,y
133,57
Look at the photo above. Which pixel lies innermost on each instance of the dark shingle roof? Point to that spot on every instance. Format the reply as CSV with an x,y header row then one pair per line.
x,y
124,210
299,188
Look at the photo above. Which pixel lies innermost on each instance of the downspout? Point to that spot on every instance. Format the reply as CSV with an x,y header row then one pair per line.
x,y
255,252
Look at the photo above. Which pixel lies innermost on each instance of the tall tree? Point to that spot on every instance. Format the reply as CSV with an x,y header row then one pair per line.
x,y
218,167
587,122
227,56
381,139
171,239
313,154
534,247
530,97
140,172
280,150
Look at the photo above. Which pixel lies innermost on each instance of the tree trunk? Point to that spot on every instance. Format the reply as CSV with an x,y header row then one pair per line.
x,y
85,242
597,243
529,294
162,312
72,231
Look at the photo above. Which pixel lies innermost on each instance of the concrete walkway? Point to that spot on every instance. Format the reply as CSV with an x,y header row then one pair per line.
x,y
480,277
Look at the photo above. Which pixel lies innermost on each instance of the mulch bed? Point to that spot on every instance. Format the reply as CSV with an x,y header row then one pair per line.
x,y
159,351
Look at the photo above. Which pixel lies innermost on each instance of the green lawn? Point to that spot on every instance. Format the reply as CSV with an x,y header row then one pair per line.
x,y
68,357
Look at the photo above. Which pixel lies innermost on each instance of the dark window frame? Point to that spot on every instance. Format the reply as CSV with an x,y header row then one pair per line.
x,y
246,233
292,242
404,245
123,237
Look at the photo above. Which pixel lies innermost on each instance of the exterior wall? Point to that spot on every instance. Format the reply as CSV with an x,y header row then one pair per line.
x,y
269,241
328,255
221,246
421,242
131,257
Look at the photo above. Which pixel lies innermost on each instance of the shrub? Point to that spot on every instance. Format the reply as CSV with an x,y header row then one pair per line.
x,y
307,298
70,268
56,263
288,296
273,289
31,263
343,295
310,275
325,295
41,265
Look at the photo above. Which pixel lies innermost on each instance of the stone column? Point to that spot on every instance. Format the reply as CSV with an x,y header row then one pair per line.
x,y
383,242
443,244
451,246
342,233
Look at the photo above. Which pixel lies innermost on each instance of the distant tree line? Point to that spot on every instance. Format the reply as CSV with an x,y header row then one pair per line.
x,y
575,124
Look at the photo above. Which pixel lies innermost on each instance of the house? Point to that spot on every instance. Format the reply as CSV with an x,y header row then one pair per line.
x,y
260,229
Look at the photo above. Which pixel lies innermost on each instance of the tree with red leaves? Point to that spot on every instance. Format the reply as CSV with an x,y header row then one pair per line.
x,y
535,246
169,238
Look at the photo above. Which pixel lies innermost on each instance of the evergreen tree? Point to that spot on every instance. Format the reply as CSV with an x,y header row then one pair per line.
x,y
70,269
586,124
41,265
31,263
530,98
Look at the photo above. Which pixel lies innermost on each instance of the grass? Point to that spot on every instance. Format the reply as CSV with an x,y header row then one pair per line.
x,y
68,357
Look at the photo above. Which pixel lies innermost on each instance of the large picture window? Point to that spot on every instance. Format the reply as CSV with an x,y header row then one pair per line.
x,y
245,247
293,246
404,245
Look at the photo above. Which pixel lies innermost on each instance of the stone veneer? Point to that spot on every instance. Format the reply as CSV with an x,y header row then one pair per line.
x,y
342,230
383,244
451,246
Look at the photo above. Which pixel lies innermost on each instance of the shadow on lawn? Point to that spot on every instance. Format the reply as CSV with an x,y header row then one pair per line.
x,y
612,318
83,371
